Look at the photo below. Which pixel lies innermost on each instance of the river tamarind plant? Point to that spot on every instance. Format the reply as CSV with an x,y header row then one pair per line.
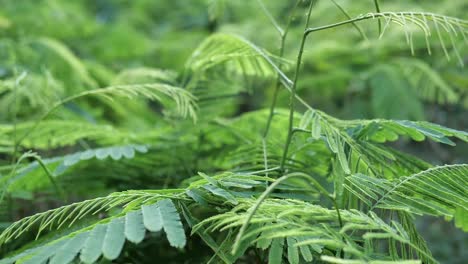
x,y
274,185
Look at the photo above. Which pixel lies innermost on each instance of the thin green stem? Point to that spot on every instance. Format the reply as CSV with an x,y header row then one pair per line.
x,y
264,195
338,212
349,21
377,9
361,32
15,113
6,180
57,188
15,101
353,20
271,18
293,88
261,171
275,93
283,36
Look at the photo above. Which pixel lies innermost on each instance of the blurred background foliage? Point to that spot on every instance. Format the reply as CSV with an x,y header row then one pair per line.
x,y
66,47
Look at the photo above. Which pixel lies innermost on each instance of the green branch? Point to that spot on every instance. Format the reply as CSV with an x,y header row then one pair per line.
x,y
283,35
377,9
267,192
293,88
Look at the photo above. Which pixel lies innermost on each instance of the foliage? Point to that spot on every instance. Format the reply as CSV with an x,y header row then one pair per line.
x,y
117,144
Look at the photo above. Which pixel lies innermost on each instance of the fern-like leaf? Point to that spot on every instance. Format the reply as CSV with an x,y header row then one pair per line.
x,y
305,225
144,75
352,141
185,101
243,56
426,22
106,237
439,191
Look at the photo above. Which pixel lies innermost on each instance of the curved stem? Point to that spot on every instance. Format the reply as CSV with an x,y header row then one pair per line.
x,y
361,32
15,102
265,194
294,86
275,93
5,180
359,18
338,212
377,9
57,188
271,18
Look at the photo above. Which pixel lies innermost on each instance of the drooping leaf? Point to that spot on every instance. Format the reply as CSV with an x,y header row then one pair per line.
x,y
134,227
114,239
92,247
171,223
68,251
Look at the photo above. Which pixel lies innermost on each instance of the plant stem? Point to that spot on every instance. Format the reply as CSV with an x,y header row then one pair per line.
x,y
15,113
294,86
338,212
271,18
351,21
361,32
275,93
271,188
57,188
283,35
377,9
15,101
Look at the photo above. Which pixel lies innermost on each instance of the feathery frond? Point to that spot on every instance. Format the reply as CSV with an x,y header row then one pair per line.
x,y
144,75
439,191
249,179
312,230
105,237
185,102
426,22
27,178
241,55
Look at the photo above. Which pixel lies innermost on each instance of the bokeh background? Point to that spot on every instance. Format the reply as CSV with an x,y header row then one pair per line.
x,y
343,74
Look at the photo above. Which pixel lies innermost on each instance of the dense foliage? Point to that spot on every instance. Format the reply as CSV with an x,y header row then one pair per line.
x,y
226,132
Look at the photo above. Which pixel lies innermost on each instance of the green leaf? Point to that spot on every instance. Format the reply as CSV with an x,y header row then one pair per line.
x,y
44,253
275,254
221,192
93,245
172,224
461,218
305,250
152,217
163,215
209,179
293,251
134,227
68,251
197,196
316,127
114,238
332,139
439,191
243,57
342,158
